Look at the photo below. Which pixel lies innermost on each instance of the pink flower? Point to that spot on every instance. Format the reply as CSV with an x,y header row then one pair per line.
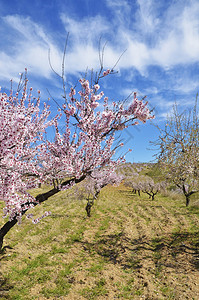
x,y
105,73
96,86
72,92
83,144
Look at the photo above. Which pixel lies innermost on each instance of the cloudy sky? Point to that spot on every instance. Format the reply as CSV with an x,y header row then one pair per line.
x,y
159,41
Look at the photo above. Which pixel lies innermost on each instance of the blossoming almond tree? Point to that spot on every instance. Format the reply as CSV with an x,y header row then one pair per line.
x,y
87,143
22,128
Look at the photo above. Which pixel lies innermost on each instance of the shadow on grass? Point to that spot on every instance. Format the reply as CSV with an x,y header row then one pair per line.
x,y
128,194
131,194
163,251
5,285
4,288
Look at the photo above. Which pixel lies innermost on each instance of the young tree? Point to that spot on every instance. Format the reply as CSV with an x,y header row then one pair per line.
x,y
144,184
179,150
94,183
151,188
133,182
86,145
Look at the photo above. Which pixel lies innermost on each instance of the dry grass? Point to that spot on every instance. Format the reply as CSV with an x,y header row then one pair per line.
x,y
131,248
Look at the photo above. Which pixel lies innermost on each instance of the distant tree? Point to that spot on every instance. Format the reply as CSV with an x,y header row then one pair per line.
x,y
151,188
133,182
126,169
144,184
90,188
178,150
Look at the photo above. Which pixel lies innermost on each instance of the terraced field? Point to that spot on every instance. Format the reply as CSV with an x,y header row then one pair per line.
x,y
131,248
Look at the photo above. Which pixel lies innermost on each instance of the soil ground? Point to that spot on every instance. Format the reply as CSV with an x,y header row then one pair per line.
x,y
130,248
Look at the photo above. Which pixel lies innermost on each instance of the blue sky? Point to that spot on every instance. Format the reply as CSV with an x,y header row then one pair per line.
x,y
161,39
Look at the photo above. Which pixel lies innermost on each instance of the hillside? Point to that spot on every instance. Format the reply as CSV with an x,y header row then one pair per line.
x,y
131,248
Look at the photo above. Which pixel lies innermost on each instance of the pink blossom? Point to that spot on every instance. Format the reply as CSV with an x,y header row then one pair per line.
x,y
84,147
96,87
105,73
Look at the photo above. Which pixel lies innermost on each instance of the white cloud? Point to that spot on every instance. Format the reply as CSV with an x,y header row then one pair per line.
x,y
121,11
29,51
168,42
127,92
181,44
190,28
151,90
147,21
186,85
80,58
175,40
87,30
137,55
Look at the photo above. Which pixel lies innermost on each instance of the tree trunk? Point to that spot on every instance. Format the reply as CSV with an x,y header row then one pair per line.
x,y
88,208
187,200
91,203
188,194
1,243
39,199
4,230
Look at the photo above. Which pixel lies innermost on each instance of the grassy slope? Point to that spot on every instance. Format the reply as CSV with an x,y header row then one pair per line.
x,y
131,248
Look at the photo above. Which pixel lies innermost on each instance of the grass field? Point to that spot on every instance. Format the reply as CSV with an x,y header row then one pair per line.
x,y
131,248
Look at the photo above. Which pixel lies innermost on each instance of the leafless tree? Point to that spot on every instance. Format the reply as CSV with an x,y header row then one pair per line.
x,y
178,150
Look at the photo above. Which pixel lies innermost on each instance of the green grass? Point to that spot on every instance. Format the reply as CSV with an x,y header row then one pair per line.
x,y
95,269
97,290
129,248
